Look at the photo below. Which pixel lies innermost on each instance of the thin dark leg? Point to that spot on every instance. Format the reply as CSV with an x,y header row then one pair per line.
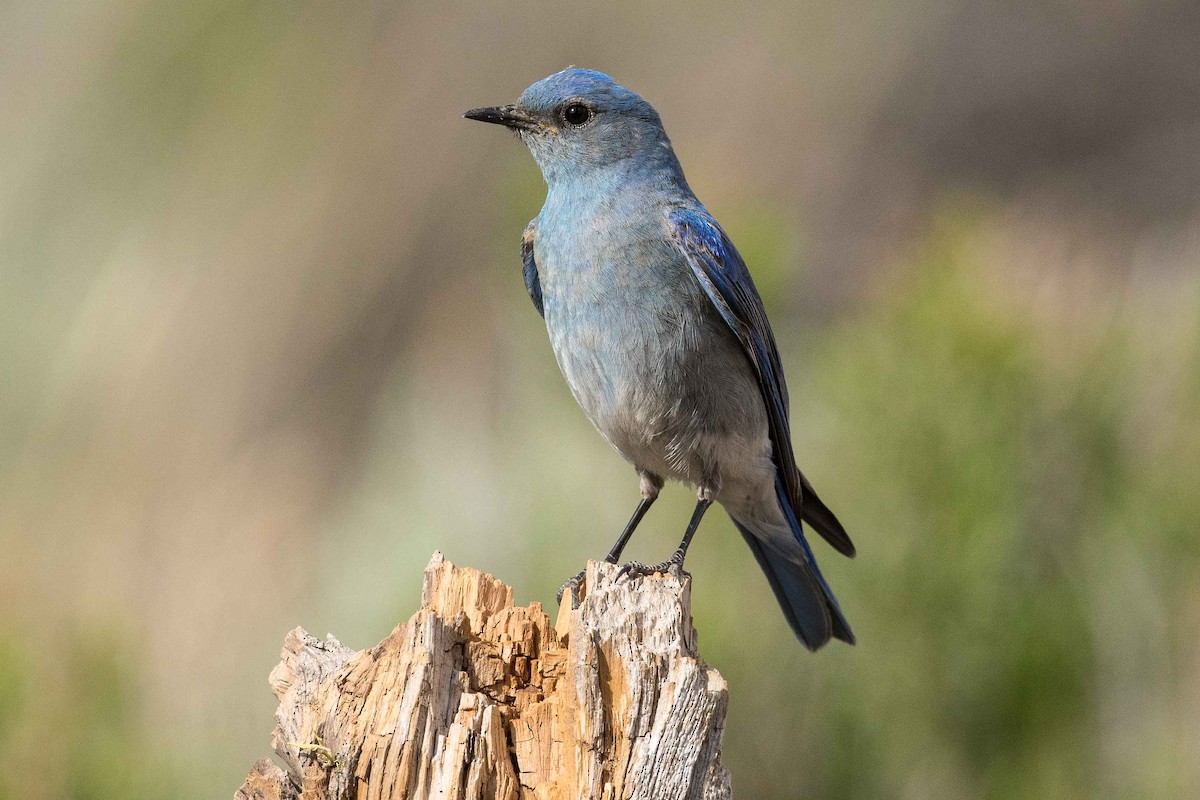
x,y
614,555
675,562
650,485
681,553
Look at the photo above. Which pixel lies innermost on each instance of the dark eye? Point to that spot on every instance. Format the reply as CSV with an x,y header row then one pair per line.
x,y
576,114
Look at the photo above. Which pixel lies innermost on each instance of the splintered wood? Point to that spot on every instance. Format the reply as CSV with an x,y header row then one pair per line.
x,y
474,698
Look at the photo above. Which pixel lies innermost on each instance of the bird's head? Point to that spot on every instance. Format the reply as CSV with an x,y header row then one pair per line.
x,y
579,120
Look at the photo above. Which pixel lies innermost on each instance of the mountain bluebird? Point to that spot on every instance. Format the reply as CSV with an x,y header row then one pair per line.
x,y
661,335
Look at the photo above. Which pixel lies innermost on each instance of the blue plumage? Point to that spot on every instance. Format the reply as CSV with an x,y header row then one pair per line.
x,y
529,269
723,274
661,335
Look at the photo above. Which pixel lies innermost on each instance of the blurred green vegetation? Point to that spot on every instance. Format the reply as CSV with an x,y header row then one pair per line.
x,y
1025,594
72,723
1025,512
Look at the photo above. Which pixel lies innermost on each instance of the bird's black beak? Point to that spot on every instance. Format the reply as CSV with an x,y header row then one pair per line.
x,y
509,116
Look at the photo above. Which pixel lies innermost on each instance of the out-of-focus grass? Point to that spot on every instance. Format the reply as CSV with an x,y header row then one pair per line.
x,y
1020,489
1025,517
72,723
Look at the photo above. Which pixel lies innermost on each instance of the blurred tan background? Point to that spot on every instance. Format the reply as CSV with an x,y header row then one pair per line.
x,y
264,345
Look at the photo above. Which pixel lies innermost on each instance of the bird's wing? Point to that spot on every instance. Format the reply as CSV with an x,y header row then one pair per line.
x,y
723,275
532,284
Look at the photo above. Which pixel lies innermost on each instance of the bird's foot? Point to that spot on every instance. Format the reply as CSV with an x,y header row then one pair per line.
x,y
672,566
572,586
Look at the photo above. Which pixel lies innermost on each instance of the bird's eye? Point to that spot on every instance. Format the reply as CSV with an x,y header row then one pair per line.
x,y
576,114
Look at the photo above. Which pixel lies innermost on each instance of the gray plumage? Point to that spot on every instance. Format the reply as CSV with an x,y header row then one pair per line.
x,y
659,332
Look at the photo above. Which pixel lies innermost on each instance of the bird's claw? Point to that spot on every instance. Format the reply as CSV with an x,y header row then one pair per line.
x,y
636,569
571,585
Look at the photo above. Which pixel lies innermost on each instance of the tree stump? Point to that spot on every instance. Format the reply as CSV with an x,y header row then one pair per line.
x,y
474,698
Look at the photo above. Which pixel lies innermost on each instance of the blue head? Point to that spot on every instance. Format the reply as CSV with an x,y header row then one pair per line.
x,y
578,121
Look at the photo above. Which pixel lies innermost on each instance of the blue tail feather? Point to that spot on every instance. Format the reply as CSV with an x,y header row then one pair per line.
x,y
806,599
841,628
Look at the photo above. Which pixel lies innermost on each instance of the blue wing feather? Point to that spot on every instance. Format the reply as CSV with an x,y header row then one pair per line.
x,y
532,284
727,282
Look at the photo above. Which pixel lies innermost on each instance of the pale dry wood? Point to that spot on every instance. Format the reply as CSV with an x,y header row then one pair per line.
x,y
474,698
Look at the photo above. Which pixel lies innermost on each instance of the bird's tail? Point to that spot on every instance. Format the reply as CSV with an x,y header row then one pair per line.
x,y
784,555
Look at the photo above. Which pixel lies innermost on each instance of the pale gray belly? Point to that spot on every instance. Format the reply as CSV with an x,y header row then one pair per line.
x,y
667,385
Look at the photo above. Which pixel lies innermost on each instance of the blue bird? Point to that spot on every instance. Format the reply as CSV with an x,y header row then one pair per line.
x,y
661,335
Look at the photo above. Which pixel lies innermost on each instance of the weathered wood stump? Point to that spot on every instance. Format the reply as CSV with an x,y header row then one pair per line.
x,y
474,697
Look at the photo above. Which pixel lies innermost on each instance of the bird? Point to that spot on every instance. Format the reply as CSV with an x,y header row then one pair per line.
x,y
662,337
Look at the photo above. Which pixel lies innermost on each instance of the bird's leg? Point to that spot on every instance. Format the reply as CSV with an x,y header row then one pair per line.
x,y
704,499
650,485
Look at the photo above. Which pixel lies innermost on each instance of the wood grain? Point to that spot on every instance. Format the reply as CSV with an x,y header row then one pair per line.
x,y
474,698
